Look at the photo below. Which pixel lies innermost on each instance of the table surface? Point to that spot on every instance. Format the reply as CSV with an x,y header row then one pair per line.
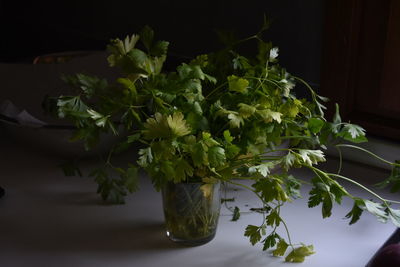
x,y
47,219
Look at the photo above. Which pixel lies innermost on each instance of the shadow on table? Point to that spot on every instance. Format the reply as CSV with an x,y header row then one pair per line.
x,y
114,237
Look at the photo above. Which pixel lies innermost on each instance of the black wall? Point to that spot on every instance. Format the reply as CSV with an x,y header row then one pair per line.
x,y
31,28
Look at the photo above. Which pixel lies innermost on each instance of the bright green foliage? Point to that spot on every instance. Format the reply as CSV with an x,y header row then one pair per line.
x,y
271,189
281,248
162,126
376,209
310,157
254,233
237,84
315,125
353,133
326,191
355,213
273,219
216,156
214,118
299,254
270,240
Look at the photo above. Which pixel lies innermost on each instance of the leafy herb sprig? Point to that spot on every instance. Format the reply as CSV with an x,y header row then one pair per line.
x,y
219,117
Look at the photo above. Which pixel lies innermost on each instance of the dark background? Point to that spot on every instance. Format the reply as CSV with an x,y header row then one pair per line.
x,y
33,28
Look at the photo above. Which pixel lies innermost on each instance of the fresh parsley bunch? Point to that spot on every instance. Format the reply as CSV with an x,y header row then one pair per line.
x,y
215,118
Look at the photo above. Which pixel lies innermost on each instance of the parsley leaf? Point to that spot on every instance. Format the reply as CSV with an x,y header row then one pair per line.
x,y
236,214
299,254
237,84
281,248
253,232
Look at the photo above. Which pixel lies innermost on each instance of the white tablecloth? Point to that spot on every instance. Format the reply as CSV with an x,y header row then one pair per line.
x,y
47,219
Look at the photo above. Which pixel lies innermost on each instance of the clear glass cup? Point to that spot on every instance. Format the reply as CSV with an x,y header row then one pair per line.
x,y
191,212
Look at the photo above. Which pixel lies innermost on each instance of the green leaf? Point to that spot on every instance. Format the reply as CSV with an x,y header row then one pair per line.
x,y
273,219
216,156
235,121
71,168
71,106
288,161
393,180
355,213
236,214
320,194
270,241
223,200
198,154
183,170
315,125
394,216
162,126
281,248
131,181
167,168
227,136
110,189
119,48
232,151
208,140
353,133
264,51
237,84
253,232
133,138
128,84
376,209
177,124
310,157
99,119
270,189
292,186
147,36
268,115
145,157
299,254
264,169
336,117
245,110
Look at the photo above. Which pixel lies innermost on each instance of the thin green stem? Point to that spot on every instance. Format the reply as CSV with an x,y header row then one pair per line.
x,y
215,89
370,153
363,187
287,230
340,159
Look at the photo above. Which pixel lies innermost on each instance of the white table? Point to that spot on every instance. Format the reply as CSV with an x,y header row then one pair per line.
x,y
47,219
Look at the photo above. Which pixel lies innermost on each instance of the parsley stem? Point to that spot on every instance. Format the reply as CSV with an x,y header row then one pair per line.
x,y
363,187
295,137
215,89
286,229
369,152
340,159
